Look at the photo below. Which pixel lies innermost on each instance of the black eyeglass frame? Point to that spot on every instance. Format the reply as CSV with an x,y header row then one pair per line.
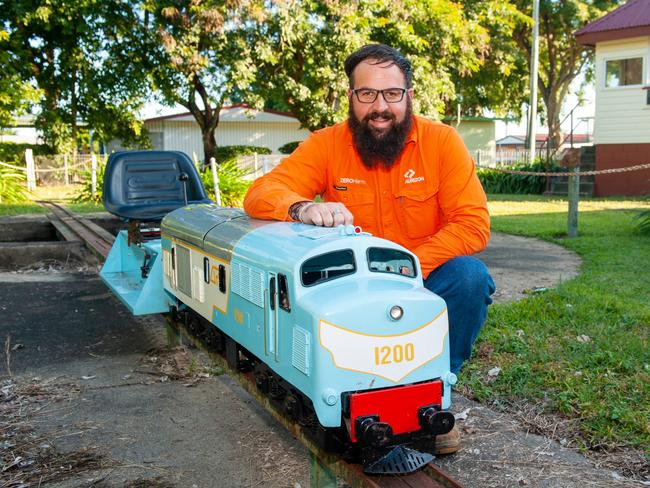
x,y
377,92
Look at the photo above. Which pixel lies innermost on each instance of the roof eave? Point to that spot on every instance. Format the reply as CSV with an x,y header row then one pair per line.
x,y
591,38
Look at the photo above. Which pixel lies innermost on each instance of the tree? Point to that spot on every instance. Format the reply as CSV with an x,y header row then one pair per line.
x,y
196,58
500,83
16,95
70,52
561,59
299,48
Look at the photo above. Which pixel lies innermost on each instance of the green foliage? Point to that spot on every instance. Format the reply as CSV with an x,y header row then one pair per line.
x,y
12,187
232,183
196,56
300,47
500,83
85,194
225,153
583,348
643,223
81,57
494,181
561,58
14,153
289,147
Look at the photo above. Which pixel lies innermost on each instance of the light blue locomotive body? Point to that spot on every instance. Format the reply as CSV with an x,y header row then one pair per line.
x,y
337,321
313,303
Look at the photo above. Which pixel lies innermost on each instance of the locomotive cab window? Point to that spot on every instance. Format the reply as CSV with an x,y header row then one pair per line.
x,y
383,260
283,293
327,267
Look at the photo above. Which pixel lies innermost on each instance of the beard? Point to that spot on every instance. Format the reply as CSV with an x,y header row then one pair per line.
x,y
380,147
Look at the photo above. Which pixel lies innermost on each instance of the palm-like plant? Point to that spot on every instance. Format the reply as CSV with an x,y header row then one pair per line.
x,y
232,183
12,188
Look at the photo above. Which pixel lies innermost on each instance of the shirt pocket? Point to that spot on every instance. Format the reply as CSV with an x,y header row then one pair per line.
x,y
362,206
419,212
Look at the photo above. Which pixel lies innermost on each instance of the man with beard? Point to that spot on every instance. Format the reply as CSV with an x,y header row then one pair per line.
x,y
400,177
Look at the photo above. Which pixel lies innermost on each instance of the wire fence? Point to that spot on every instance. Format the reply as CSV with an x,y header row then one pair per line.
x,y
57,169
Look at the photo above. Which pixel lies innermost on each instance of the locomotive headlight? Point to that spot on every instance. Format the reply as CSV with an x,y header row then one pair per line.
x,y
396,312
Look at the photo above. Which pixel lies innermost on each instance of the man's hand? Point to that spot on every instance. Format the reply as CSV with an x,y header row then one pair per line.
x,y
328,214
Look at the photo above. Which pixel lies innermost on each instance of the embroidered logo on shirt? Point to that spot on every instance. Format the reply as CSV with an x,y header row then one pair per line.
x,y
409,177
353,181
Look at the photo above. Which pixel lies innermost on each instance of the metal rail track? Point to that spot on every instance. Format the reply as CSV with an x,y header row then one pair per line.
x,y
74,228
328,464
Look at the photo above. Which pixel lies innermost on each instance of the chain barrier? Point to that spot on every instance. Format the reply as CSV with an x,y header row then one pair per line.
x,y
19,168
567,173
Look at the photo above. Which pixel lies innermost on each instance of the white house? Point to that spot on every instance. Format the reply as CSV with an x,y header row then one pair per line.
x,y
238,125
479,134
622,118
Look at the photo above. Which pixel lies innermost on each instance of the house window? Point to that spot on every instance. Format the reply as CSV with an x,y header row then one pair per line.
x,y
623,72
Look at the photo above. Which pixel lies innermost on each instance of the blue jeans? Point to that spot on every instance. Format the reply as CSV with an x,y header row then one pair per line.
x,y
466,285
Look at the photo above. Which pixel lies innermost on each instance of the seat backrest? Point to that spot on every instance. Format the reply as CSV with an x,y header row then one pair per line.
x,y
147,185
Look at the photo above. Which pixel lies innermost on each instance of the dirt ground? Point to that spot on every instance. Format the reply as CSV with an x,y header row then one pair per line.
x,y
95,400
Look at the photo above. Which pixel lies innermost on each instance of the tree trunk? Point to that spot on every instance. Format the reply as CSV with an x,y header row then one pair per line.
x,y
209,144
554,128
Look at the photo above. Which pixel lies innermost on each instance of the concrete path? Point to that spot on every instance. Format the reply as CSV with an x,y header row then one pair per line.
x,y
104,383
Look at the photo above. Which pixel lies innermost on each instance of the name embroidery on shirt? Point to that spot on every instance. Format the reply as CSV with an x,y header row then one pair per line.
x,y
353,181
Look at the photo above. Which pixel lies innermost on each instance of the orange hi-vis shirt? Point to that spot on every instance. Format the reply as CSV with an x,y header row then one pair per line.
x,y
430,201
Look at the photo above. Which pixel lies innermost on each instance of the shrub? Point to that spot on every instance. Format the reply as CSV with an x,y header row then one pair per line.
x,y
644,222
14,153
232,184
86,192
226,153
12,188
289,147
494,181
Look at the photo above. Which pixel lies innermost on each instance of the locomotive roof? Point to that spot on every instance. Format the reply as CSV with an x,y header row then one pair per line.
x,y
221,231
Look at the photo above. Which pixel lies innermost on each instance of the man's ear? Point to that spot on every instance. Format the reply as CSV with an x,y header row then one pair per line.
x,y
410,92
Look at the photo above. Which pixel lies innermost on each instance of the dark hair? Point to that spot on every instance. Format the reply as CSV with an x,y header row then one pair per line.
x,y
380,53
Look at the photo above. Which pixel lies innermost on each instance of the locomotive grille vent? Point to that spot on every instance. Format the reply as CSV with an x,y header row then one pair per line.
x,y
247,283
183,270
300,350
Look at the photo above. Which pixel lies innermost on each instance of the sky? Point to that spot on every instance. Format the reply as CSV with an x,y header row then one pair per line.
x,y
585,110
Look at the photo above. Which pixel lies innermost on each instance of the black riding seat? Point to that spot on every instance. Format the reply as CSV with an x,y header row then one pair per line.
x,y
147,185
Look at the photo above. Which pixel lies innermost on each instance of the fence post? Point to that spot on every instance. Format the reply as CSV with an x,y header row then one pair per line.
x,y
215,181
255,164
265,166
31,170
93,174
574,197
66,176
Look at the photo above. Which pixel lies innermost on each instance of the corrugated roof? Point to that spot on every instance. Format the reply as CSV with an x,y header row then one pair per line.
x,y
629,20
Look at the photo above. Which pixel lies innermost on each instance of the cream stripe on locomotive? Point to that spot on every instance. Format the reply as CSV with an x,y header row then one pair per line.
x,y
392,357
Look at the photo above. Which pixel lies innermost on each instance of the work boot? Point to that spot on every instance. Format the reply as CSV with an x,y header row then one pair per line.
x,y
447,443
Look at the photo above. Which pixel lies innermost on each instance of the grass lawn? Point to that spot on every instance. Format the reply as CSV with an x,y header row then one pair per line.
x,y
62,194
581,350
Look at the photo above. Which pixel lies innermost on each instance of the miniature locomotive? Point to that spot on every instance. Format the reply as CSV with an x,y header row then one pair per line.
x,y
335,323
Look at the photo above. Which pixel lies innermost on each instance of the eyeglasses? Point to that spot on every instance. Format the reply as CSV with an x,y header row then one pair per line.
x,y
368,95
